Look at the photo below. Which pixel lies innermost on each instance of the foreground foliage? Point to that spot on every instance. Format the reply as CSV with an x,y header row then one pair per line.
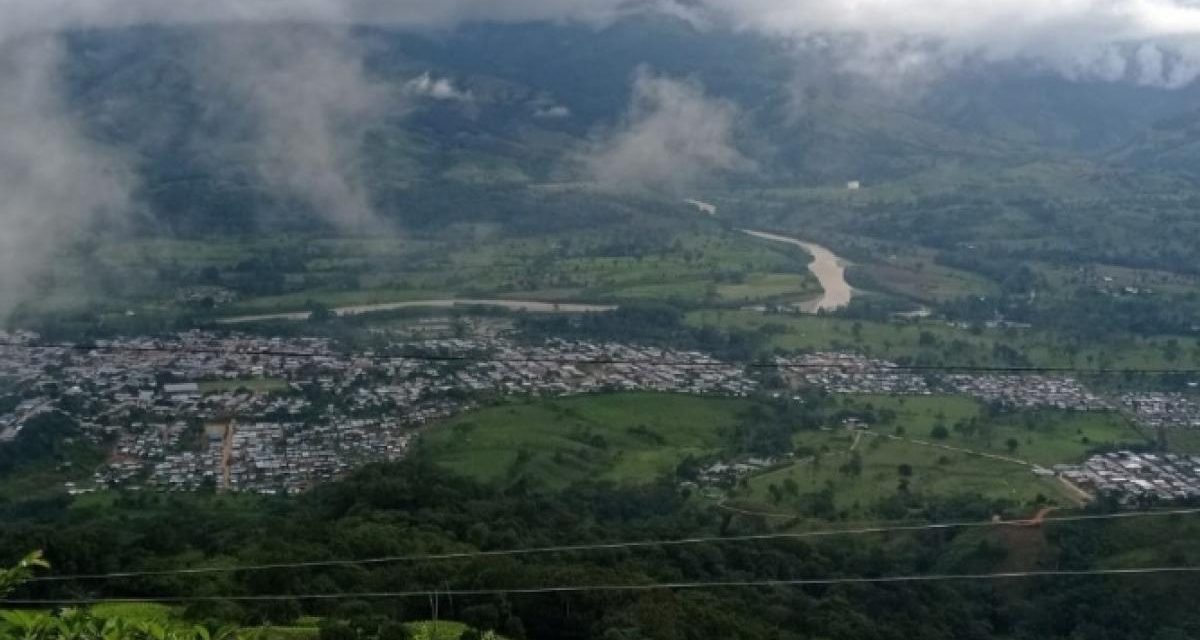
x,y
414,508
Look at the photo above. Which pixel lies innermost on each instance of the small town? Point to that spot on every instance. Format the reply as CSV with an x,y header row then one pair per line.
x,y
856,374
278,415
1137,479
1169,410
273,415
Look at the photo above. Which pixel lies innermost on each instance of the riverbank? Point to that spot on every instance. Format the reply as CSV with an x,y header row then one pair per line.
x,y
829,269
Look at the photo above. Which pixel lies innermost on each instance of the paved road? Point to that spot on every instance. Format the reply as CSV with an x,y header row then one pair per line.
x,y
530,306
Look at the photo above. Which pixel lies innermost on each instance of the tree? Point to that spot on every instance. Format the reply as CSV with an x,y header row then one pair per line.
x,y
336,630
854,465
790,487
1012,445
484,617
319,313
905,470
940,432
77,624
392,630
12,578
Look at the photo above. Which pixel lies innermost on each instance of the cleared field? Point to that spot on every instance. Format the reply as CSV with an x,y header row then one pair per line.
x,y
134,611
933,342
769,286
884,466
919,278
1183,441
1041,437
625,438
690,263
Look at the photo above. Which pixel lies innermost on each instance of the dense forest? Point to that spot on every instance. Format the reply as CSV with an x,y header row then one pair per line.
x,y
411,508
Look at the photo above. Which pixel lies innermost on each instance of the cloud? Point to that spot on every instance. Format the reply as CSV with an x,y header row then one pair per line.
x,y
25,16
426,86
672,137
1081,39
1084,39
56,184
552,112
310,104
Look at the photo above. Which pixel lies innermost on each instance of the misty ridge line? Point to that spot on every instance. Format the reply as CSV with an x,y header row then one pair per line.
x,y
307,102
1149,42
310,101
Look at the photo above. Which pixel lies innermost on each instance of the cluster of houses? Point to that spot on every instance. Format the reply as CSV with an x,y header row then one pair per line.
x,y
1169,410
725,474
1137,478
273,457
248,413
851,373
569,367
245,413
854,373
1025,391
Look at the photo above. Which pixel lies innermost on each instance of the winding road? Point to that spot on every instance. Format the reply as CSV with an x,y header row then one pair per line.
x,y
530,306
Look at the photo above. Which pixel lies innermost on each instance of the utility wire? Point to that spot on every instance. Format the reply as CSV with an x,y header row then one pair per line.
x,y
750,364
620,545
655,586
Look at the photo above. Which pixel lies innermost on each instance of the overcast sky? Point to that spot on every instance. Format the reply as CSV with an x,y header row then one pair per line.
x,y
1153,42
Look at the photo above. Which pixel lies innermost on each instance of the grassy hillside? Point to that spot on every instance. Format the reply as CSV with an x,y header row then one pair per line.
x,y
974,459
939,342
931,472
624,438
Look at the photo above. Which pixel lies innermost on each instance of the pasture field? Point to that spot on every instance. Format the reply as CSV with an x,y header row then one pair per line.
x,y
940,343
941,468
1046,437
926,471
626,438
917,277
1183,441
697,263
148,611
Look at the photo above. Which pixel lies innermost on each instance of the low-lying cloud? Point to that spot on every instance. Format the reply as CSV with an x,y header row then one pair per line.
x,y
310,103
427,86
1150,42
56,185
671,138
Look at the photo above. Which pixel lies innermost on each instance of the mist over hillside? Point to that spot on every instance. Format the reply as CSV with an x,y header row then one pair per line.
x,y
526,104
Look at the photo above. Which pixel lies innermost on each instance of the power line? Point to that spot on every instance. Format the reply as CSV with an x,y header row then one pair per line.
x,y
655,586
750,364
463,555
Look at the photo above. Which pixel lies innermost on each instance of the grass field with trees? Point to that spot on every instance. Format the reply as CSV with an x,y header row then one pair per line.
x,y
623,438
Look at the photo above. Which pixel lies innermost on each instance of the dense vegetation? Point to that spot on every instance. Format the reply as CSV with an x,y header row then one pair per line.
x,y
413,508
